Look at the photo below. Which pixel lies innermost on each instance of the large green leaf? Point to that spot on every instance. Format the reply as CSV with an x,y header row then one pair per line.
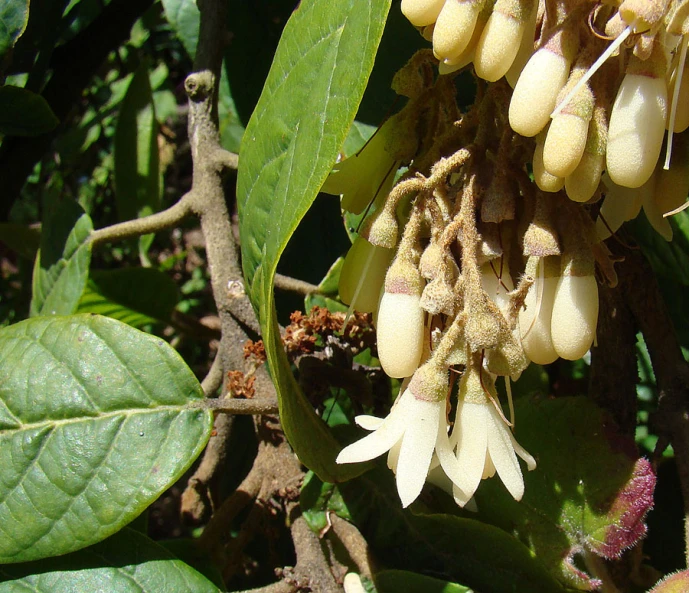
x,y
137,168
456,549
96,420
24,113
14,15
589,494
127,562
394,581
136,296
318,77
62,263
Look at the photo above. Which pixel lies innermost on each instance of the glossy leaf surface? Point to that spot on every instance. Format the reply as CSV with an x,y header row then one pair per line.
x,y
127,562
308,103
62,263
96,421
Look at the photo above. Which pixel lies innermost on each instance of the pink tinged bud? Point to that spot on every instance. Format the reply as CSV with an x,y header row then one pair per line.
x,y
498,46
575,315
454,28
363,274
536,91
400,331
534,319
637,127
421,13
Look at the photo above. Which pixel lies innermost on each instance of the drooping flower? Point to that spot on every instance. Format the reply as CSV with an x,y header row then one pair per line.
x,y
415,428
369,173
485,445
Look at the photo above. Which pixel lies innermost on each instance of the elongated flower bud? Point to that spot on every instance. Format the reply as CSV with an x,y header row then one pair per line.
x,y
545,180
363,274
501,38
540,82
535,317
525,51
637,121
454,27
575,308
465,58
567,134
682,106
422,12
400,320
582,183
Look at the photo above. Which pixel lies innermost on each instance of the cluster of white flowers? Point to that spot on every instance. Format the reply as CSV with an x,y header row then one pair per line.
x,y
595,87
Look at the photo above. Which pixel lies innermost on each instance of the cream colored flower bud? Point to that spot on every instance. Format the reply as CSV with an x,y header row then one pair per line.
x,y
422,12
564,144
643,15
525,51
501,38
637,121
637,127
537,89
400,320
682,108
535,317
363,274
455,27
544,180
575,315
583,182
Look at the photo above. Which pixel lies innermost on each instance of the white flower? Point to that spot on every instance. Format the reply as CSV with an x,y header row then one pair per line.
x,y
412,432
485,445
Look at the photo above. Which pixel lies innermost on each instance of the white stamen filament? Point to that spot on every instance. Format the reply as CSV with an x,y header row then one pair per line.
x,y
508,389
592,70
359,286
540,287
675,98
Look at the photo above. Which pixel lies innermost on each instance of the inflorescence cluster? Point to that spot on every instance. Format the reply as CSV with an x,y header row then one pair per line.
x,y
485,254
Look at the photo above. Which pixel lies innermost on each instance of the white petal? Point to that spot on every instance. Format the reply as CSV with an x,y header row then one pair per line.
x,y
369,422
394,455
380,441
471,428
524,454
418,444
488,468
447,459
503,456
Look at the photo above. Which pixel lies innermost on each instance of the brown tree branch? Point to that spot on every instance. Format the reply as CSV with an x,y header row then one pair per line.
x,y
229,405
290,284
159,221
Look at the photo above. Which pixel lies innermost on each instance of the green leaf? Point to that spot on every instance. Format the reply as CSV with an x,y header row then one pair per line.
x,y
62,263
14,14
136,296
21,238
184,18
453,548
127,562
317,499
589,494
24,113
397,581
308,104
327,286
96,420
137,168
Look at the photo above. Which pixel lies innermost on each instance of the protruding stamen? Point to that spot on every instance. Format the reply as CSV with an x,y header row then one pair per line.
x,y
675,98
592,70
